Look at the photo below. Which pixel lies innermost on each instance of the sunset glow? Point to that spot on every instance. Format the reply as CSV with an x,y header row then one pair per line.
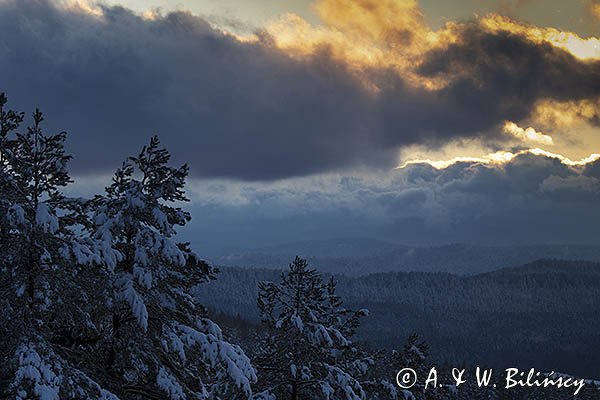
x,y
301,107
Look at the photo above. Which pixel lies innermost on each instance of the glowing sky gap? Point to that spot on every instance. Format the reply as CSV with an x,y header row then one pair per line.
x,y
502,157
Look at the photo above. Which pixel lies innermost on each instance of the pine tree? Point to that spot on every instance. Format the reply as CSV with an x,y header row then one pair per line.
x,y
49,268
163,344
415,354
308,353
9,122
381,380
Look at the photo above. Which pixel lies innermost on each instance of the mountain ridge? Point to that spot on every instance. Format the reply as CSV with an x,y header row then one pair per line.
x,y
459,258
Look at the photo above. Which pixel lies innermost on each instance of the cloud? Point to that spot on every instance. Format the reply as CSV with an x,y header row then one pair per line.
x,y
594,8
502,158
582,48
229,108
505,73
362,33
567,113
262,108
530,198
527,135
578,183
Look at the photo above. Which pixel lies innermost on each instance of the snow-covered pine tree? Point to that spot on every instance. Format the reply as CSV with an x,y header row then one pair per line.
x,y
381,384
49,270
163,344
9,122
415,354
308,354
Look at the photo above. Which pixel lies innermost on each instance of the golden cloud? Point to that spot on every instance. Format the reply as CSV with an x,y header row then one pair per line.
x,y
83,6
565,114
365,34
526,134
594,8
503,157
393,24
386,34
582,48
393,34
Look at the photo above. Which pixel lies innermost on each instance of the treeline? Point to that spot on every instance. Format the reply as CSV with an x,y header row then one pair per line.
x,y
376,257
539,315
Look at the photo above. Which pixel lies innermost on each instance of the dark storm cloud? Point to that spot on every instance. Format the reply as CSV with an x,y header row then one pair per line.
x,y
247,110
493,77
510,70
230,109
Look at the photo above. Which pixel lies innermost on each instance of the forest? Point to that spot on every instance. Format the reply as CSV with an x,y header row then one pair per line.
x,y
101,301
531,315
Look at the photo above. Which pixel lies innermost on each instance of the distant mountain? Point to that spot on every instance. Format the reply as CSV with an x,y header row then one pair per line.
x,y
354,257
332,248
549,267
543,314
473,259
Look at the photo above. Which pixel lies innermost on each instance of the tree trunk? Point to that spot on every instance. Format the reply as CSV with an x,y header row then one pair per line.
x,y
294,395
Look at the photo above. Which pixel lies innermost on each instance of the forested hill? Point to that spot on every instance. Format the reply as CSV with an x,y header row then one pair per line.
x,y
355,257
543,314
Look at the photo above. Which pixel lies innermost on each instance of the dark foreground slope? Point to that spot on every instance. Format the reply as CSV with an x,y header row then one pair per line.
x,y
544,314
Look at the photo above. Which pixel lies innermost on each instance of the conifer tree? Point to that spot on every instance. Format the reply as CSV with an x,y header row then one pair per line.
x,y
163,344
309,353
381,381
49,268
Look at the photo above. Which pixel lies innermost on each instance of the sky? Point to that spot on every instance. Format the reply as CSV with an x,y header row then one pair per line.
x,y
571,15
414,122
